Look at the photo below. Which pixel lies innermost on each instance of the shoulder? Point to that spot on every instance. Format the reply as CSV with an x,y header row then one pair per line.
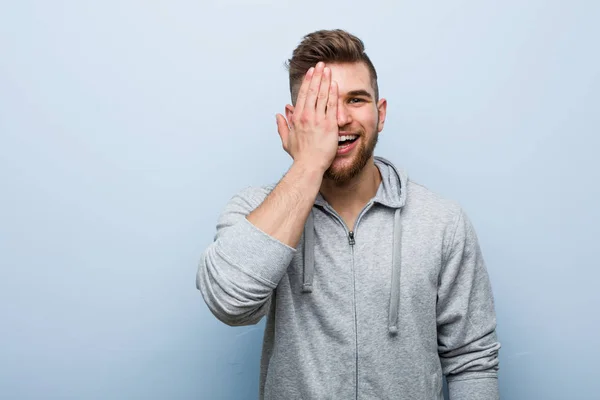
x,y
440,213
425,200
433,212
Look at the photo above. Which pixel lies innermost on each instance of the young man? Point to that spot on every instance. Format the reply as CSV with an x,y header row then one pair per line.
x,y
373,286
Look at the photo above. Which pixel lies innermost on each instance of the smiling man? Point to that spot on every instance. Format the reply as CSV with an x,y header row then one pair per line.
x,y
373,286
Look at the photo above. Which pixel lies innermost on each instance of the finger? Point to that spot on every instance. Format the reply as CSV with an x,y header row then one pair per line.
x,y
323,95
313,89
301,99
332,103
283,129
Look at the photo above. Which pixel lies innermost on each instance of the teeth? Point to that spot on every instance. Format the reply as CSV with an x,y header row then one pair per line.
x,y
346,137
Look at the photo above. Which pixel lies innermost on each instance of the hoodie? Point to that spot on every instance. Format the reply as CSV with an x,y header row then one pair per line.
x,y
381,312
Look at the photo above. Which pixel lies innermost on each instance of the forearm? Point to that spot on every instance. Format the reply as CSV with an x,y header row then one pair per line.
x,y
284,212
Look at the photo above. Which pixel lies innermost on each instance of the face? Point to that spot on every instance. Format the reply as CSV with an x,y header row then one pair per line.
x,y
358,114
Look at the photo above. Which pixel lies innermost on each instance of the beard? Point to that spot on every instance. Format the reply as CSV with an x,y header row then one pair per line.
x,y
343,174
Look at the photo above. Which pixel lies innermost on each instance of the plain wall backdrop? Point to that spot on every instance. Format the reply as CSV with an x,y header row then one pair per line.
x,y
125,127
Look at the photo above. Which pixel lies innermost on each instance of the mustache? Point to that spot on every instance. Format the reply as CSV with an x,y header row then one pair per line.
x,y
350,130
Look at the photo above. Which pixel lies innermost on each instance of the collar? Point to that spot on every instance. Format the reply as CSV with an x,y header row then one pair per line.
x,y
392,189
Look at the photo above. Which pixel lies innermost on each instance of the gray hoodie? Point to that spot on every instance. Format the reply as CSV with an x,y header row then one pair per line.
x,y
379,313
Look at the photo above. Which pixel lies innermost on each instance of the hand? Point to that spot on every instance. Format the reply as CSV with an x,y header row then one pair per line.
x,y
312,135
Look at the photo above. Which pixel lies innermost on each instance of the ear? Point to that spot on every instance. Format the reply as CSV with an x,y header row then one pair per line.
x,y
289,112
382,109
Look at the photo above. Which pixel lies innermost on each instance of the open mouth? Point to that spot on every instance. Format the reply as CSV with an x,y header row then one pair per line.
x,y
346,140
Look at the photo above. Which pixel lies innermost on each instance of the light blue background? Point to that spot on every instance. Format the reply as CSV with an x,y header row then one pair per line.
x,y
125,126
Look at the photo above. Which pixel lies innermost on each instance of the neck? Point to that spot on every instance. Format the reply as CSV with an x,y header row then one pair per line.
x,y
351,197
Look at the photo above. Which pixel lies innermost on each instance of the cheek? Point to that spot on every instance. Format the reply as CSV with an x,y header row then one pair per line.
x,y
369,119
376,123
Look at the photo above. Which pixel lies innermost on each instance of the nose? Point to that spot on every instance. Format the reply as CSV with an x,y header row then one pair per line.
x,y
343,115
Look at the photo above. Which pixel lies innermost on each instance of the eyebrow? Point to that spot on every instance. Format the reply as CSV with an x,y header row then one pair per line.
x,y
361,92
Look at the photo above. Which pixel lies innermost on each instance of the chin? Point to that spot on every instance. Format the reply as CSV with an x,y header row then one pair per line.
x,y
345,168
343,171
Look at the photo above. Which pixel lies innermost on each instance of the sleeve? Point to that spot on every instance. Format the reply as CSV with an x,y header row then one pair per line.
x,y
466,320
239,270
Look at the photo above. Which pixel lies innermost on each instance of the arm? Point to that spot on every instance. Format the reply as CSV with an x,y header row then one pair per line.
x,y
283,213
467,342
256,238
253,247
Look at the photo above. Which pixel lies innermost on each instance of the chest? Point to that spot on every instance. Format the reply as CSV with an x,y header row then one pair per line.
x,y
361,257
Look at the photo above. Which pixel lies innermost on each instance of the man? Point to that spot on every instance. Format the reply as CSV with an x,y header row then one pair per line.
x,y
373,286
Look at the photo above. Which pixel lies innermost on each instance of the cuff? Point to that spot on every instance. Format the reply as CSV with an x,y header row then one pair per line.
x,y
257,253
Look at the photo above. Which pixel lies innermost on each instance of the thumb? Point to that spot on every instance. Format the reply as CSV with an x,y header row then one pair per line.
x,y
283,129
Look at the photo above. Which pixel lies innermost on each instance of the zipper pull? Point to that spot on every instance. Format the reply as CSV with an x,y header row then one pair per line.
x,y
351,238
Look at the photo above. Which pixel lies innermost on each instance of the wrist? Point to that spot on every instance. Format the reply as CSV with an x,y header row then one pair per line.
x,y
309,169
309,165
307,177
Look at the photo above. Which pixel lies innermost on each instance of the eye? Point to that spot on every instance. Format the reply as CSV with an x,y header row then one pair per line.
x,y
355,100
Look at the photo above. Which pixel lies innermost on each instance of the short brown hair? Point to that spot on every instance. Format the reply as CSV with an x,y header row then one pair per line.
x,y
329,46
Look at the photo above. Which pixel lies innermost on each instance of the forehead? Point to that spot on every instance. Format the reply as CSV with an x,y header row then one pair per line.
x,y
351,76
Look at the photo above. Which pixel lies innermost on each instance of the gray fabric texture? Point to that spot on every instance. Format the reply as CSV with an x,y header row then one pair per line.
x,y
383,312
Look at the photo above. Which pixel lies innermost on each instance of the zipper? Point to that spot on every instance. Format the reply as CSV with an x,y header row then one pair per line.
x,y
349,233
351,242
355,322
